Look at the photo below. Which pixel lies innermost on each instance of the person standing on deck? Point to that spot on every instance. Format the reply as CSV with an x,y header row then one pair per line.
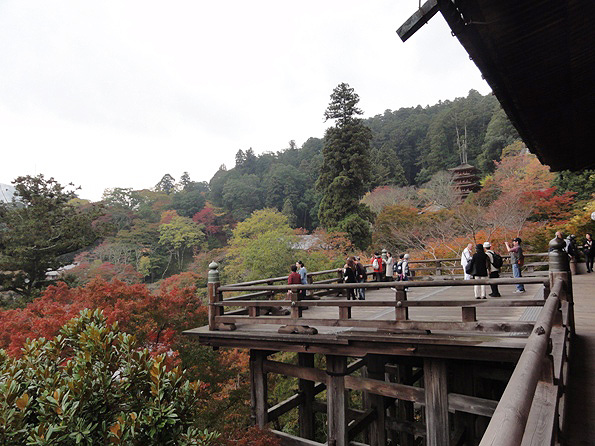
x,y
349,277
516,260
478,268
389,267
589,250
361,275
377,263
303,272
493,270
465,259
405,265
294,277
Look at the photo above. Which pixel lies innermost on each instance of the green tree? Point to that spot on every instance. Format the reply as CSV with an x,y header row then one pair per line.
x,y
167,184
345,171
93,385
37,229
179,236
261,246
188,202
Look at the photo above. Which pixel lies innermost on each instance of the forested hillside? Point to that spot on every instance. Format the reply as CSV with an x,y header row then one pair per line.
x,y
408,146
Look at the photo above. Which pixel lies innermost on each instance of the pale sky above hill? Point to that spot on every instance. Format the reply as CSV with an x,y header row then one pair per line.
x,y
118,93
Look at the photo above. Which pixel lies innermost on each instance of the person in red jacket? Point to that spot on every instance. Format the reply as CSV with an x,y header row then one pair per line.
x,y
294,278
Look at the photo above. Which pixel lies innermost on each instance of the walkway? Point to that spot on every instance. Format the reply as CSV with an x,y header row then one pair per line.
x,y
581,392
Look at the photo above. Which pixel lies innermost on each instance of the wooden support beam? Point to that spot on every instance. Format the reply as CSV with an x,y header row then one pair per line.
x,y
409,427
360,423
471,404
479,326
292,440
336,367
391,390
418,19
375,365
283,407
296,371
401,313
306,387
436,395
259,386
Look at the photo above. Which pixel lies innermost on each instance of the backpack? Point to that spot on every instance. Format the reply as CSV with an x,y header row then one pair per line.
x,y
375,263
497,260
399,267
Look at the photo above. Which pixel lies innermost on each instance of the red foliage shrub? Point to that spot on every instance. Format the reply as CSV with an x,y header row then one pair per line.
x,y
157,320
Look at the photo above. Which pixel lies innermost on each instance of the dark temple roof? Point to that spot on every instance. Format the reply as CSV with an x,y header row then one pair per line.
x,y
539,59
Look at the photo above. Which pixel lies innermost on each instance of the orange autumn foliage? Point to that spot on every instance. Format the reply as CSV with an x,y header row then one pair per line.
x,y
157,319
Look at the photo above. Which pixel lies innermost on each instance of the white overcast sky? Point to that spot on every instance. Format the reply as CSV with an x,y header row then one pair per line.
x,y
118,93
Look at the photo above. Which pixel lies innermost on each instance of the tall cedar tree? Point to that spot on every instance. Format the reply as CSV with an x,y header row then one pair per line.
x,y
345,171
36,230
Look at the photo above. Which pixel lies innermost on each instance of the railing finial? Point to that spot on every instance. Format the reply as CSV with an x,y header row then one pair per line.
x,y
213,276
558,258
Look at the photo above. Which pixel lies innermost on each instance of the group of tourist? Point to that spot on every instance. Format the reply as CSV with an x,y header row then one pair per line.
x,y
482,264
486,263
298,276
389,269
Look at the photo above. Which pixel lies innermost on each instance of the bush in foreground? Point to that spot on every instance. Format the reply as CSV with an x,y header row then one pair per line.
x,y
92,385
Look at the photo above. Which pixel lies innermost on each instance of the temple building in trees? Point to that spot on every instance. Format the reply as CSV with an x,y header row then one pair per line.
x,y
466,179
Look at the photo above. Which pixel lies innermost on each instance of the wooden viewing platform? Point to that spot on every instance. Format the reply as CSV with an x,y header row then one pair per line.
x,y
426,362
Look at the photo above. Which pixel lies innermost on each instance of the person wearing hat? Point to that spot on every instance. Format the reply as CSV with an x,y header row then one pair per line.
x,y
494,271
516,260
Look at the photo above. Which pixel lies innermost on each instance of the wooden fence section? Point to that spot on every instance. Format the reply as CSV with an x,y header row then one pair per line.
x,y
256,311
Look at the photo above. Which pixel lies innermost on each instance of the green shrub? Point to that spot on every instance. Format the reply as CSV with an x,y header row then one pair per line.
x,y
92,385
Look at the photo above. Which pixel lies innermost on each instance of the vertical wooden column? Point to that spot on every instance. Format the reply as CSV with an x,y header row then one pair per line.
x,y
462,380
405,410
306,409
375,364
336,368
213,283
437,429
258,387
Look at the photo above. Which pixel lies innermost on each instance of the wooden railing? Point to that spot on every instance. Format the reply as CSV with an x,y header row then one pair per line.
x,y
452,266
254,311
532,409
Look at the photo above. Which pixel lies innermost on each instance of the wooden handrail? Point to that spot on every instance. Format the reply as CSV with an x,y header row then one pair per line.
x,y
507,425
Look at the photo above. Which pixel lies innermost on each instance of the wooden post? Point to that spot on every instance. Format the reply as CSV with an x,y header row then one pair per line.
x,y
213,283
306,409
336,368
559,270
437,429
438,268
375,365
405,409
401,313
258,378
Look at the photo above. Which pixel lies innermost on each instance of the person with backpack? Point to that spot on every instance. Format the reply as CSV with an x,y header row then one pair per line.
x,y
378,266
398,267
495,265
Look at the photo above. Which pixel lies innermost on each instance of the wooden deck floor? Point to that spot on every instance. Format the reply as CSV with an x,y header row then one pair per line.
x,y
581,393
